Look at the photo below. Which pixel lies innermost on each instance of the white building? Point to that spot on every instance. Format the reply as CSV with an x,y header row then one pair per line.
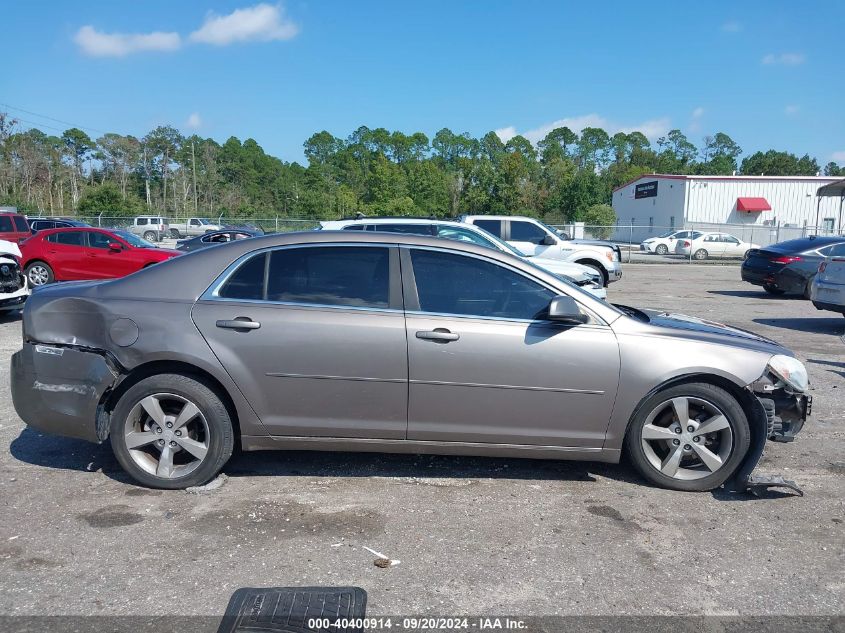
x,y
761,209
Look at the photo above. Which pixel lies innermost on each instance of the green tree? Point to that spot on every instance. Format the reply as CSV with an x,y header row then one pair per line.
x,y
107,199
602,217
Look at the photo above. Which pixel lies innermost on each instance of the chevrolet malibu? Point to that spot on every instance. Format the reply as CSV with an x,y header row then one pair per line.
x,y
392,343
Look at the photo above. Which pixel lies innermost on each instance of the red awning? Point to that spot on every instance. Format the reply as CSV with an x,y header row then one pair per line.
x,y
753,204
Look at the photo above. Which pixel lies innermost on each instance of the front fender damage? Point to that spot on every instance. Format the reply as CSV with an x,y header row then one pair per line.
x,y
775,415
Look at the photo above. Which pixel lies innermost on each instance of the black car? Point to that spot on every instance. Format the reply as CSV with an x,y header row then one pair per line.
x,y
42,224
788,266
215,237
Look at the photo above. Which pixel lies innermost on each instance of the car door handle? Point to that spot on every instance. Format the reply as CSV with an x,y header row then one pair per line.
x,y
238,323
440,335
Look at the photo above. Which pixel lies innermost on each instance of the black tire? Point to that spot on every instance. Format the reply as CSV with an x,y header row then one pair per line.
x,y
599,269
175,234
151,236
746,254
773,291
731,409
700,255
662,249
33,267
807,288
220,429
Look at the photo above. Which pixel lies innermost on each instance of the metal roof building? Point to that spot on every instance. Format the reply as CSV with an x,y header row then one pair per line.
x,y
769,207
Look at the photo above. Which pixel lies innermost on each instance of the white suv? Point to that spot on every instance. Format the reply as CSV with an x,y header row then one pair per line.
x,y
582,276
152,228
533,238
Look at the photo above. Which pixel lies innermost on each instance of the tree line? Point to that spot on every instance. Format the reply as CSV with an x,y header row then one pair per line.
x,y
566,176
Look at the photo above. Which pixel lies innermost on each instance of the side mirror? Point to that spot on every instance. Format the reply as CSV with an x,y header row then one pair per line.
x,y
548,241
115,246
564,309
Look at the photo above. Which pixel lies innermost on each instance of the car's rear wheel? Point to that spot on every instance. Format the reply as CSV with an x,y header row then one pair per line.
x,y
772,290
661,249
150,236
39,274
175,234
171,431
700,254
689,437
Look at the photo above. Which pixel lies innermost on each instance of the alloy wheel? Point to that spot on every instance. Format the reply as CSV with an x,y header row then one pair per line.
x,y
167,435
687,438
38,275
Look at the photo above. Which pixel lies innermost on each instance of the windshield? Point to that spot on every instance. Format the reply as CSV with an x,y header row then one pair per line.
x,y
669,234
204,221
133,240
552,230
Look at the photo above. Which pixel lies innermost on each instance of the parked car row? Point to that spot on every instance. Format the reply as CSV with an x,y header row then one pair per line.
x,y
698,245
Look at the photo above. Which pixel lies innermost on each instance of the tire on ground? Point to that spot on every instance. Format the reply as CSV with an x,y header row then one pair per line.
x,y
193,388
705,391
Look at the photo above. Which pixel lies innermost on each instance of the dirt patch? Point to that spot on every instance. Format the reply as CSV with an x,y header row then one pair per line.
x,y
287,520
111,517
606,511
142,492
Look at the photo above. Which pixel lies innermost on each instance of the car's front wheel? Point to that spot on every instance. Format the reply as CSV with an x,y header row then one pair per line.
x,y
171,431
689,437
661,249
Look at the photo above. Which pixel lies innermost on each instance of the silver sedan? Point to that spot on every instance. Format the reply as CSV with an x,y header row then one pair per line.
x,y
393,343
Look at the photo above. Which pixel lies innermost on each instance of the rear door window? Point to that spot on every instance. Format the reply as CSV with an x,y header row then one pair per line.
x,y
526,232
69,238
352,276
491,226
6,225
21,224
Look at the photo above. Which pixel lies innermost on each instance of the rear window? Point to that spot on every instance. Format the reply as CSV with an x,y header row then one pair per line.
x,y
6,225
491,226
407,229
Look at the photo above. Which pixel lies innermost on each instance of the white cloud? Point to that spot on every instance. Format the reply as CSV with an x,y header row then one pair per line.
x,y
731,26
792,109
262,23
98,44
194,121
695,123
839,157
784,59
652,128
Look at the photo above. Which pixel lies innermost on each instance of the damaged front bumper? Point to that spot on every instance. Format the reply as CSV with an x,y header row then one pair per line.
x,y
786,411
60,389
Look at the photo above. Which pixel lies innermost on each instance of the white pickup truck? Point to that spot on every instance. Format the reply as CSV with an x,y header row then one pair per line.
x,y
192,228
535,239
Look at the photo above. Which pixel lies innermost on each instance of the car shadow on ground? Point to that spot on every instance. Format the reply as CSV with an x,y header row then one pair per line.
x,y
48,451
10,316
753,294
814,325
829,364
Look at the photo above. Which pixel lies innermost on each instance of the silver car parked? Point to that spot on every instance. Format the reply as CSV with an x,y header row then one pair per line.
x,y
392,343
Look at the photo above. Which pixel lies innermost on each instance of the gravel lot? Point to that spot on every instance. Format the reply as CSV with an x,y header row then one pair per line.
x,y
473,535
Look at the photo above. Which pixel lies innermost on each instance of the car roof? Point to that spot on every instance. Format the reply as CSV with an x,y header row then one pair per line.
x,y
805,243
383,220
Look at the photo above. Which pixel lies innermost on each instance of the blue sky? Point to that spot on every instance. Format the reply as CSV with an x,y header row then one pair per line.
x,y
767,73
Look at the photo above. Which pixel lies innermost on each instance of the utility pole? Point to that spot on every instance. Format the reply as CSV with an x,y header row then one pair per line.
x,y
194,165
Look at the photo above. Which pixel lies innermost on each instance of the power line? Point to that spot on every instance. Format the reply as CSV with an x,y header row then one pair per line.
x,y
44,116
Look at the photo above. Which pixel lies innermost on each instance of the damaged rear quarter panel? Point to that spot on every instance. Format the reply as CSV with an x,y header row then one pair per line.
x,y
81,317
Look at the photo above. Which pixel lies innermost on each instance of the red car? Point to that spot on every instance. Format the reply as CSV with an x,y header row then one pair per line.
x,y
73,254
13,227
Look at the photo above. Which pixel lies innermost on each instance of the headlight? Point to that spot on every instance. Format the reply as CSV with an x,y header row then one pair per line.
x,y
790,370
